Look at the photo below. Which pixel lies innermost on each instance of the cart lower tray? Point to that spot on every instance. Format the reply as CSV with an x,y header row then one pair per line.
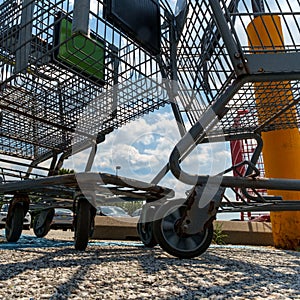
x,y
105,186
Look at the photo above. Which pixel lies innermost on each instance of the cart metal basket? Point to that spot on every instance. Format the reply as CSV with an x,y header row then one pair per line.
x,y
51,70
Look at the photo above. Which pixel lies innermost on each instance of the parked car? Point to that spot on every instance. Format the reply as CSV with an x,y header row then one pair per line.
x,y
261,218
112,211
63,219
137,212
3,216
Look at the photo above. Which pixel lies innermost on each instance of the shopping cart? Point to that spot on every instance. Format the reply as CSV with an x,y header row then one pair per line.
x,y
242,150
71,73
233,57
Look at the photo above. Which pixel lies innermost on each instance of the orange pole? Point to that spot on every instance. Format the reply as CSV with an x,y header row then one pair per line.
x,y
281,151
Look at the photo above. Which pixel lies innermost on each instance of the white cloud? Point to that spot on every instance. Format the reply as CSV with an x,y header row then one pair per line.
x,y
143,147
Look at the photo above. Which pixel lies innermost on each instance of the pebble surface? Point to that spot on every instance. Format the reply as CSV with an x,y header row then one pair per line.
x,y
50,268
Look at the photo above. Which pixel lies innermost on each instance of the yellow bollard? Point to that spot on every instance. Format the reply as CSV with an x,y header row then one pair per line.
x,y
281,151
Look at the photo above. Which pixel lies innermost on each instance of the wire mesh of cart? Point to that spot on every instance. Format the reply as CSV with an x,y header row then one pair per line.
x,y
238,67
76,66
242,150
56,57
216,48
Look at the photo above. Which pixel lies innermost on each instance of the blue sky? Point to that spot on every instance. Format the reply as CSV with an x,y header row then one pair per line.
x,y
142,147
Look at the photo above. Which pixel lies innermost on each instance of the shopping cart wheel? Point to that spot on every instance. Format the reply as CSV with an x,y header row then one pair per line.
x,y
42,222
145,232
172,238
14,223
83,224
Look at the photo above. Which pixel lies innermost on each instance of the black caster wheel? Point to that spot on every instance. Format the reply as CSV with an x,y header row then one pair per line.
x,y
14,223
42,222
172,238
84,223
145,232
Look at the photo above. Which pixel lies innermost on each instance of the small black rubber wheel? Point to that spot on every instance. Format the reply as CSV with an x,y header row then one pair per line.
x,y
14,226
42,223
82,224
174,241
145,232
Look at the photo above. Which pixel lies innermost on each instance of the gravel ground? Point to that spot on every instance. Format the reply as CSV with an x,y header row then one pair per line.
x,y
51,269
